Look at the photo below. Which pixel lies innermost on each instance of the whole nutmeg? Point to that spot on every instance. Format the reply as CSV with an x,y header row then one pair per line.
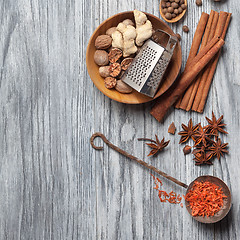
x,y
174,15
180,10
164,11
128,22
175,11
177,1
101,57
110,31
185,28
123,87
103,42
110,82
182,2
168,16
104,71
163,4
170,9
199,2
174,5
183,6
168,4
171,0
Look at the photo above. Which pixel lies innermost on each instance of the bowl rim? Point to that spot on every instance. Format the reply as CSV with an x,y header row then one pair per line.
x,y
148,99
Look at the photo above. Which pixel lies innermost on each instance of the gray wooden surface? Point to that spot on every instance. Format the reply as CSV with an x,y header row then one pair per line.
x,y
53,185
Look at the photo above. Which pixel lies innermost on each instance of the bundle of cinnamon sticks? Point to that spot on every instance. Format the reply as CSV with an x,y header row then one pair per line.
x,y
216,25
191,89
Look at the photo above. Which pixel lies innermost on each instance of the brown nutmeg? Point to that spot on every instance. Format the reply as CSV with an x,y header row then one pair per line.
x,y
168,16
164,11
180,10
175,11
168,4
174,5
187,149
185,28
199,2
101,57
110,31
183,6
103,42
163,4
104,71
177,1
174,15
182,2
170,9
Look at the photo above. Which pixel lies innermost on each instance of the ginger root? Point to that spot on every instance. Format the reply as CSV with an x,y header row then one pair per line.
x,y
117,40
143,27
129,35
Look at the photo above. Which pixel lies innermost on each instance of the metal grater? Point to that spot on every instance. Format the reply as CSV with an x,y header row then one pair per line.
x,y
148,67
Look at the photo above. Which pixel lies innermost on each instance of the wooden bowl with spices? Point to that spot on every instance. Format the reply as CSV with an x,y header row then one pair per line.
x,y
134,97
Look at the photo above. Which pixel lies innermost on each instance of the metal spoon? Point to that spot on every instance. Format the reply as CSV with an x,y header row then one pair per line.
x,y
212,219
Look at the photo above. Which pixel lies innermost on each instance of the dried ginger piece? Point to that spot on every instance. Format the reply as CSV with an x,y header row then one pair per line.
x,y
172,128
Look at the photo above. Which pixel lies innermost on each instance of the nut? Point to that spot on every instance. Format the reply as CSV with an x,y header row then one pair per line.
x,y
170,9
110,31
177,1
163,4
168,4
180,10
173,15
168,16
121,74
114,55
187,149
164,11
115,69
126,63
103,42
183,6
104,71
185,28
128,22
174,5
123,87
175,11
182,2
101,57
110,82
199,2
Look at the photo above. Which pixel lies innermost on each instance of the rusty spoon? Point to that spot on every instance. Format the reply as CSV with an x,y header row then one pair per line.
x,y
213,219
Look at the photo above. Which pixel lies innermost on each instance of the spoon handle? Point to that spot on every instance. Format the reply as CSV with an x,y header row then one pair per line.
x,y
98,134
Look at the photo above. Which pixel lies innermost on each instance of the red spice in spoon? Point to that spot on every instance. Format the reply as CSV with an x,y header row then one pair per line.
x,y
205,199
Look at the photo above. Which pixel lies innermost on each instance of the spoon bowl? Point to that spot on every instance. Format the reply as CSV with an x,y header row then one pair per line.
x,y
227,202
177,18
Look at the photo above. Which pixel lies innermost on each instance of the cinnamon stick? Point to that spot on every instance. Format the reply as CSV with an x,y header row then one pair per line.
x,y
196,42
167,100
219,31
212,70
189,94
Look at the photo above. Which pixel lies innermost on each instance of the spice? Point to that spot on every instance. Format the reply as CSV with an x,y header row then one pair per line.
x,y
189,131
218,149
202,136
199,2
156,146
185,28
187,149
205,199
172,128
171,197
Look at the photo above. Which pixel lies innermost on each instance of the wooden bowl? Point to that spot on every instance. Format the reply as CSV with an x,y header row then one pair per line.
x,y
177,18
134,97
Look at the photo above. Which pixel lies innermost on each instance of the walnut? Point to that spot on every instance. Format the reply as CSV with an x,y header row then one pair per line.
x,y
101,57
115,69
103,42
126,63
110,82
114,55
123,87
104,71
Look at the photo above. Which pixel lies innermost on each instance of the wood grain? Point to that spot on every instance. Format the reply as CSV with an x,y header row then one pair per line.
x,y
53,184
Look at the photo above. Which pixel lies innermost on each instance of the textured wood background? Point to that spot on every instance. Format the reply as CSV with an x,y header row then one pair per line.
x,y
53,185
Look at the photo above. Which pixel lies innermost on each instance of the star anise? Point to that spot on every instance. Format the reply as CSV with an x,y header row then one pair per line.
x,y
215,125
189,131
202,136
156,146
218,149
203,158
200,149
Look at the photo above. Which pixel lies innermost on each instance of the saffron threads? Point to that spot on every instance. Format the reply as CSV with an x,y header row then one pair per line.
x,y
171,197
205,199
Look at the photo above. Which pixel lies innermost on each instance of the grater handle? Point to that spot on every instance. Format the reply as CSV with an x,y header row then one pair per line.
x,y
172,41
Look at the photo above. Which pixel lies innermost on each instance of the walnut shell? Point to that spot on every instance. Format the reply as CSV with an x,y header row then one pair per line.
x,y
104,71
110,31
103,42
123,87
101,57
